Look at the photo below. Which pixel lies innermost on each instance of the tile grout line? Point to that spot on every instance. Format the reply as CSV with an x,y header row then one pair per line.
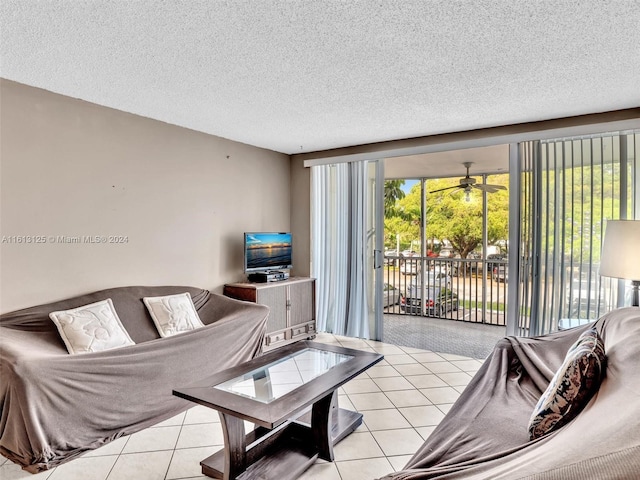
x,y
175,447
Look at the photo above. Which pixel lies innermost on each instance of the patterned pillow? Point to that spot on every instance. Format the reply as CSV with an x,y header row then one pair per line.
x,y
573,385
173,314
91,328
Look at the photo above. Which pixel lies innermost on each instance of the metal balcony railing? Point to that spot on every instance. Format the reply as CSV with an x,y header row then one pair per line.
x,y
453,288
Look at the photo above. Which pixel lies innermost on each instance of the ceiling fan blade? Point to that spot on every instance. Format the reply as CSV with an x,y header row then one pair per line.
x,y
446,188
485,188
488,188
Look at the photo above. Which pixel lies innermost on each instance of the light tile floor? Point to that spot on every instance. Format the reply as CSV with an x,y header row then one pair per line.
x,y
402,399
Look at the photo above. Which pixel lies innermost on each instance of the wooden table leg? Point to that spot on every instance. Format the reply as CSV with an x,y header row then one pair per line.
x,y
235,446
322,424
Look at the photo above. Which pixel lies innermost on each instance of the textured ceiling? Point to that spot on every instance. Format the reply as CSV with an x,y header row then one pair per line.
x,y
299,76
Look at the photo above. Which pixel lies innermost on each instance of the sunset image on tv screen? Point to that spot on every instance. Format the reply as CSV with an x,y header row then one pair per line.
x,y
264,250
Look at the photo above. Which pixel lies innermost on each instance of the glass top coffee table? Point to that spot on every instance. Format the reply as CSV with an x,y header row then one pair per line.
x,y
291,396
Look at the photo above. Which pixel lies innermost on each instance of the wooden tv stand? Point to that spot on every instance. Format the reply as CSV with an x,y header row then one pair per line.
x,y
292,305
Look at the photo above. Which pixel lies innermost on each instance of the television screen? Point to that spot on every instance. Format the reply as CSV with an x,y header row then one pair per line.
x,y
267,251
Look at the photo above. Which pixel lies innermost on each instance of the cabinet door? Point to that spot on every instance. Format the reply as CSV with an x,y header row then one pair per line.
x,y
301,303
276,299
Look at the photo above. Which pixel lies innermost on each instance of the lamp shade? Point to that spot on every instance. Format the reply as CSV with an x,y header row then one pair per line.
x,y
621,250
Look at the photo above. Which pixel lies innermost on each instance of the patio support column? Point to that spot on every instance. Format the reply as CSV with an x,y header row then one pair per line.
x,y
423,240
485,241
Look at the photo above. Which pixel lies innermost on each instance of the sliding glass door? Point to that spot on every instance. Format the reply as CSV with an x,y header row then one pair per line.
x,y
568,189
347,242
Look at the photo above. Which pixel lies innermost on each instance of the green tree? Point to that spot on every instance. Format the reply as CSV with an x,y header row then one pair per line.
x,y
392,193
498,210
403,219
577,216
450,217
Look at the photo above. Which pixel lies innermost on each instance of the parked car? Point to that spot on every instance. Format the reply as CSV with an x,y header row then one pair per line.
x,y
438,278
501,272
390,295
438,302
475,266
586,301
410,267
409,253
391,257
495,259
587,309
448,266
447,252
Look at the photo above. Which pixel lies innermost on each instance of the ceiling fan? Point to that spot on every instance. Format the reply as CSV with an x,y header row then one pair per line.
x,y
467,183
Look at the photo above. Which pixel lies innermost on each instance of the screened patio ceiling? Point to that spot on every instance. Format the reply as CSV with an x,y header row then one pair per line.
x,y
486,160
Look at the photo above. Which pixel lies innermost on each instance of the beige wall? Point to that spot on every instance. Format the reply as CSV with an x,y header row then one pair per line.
x,y
301,218
181,199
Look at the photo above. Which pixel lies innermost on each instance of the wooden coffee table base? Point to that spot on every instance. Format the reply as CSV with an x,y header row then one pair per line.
x,y
290,394
284,452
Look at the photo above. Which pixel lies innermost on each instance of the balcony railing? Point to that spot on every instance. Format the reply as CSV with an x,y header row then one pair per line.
x,y
453,288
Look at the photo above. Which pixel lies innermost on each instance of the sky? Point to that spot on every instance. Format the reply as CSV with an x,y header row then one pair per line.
x,y
267,237
408,184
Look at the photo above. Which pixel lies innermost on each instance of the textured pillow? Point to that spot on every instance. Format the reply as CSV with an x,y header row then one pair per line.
x,y
91,328
173,314
573,385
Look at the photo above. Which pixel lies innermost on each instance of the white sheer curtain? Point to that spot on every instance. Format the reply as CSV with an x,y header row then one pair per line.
x,y
339,244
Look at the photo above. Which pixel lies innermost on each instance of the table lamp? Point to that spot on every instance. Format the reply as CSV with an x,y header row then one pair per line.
x,y
621,253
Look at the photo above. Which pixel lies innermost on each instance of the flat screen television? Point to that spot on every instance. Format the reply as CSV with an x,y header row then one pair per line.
x,y
264,251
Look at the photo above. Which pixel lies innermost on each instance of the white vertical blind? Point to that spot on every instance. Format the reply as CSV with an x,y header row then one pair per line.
x,y
329,229
569,188
340,238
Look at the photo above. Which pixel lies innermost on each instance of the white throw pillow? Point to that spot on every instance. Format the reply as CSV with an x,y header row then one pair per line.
x,y
173,314
91,328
